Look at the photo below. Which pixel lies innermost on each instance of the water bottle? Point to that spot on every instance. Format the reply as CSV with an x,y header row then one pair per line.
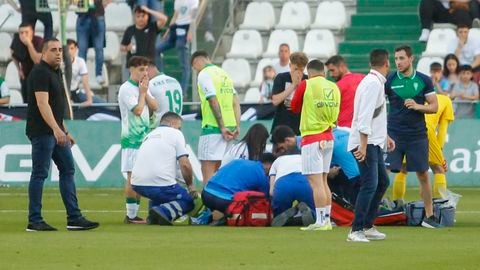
x,y
133,42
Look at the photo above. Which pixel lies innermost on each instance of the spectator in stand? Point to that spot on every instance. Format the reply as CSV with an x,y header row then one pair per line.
x,y
447,11
466,49
26,50
139,39
465,90
284,87
30,15
347,82
450,71
179,35
82,95
439,85
4,92
267,84
283,59
157,5
91,27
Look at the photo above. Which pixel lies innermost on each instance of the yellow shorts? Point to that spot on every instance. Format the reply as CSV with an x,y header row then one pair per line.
x,y
435,154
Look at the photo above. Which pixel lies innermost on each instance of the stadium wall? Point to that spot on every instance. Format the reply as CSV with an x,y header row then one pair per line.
x,y
97,153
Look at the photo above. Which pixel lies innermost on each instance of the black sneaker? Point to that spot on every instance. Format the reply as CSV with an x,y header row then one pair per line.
x,y
40,227
135,220
431,223
306,213
282,219
157,217
81,224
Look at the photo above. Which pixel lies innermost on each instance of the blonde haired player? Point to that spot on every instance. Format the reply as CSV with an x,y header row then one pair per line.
x,y
437,126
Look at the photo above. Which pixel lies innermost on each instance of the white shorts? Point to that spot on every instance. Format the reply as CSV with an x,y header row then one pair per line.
x,y
316,160
128,159
212,147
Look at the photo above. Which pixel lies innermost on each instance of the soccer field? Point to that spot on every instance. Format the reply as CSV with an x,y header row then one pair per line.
x,y
118,246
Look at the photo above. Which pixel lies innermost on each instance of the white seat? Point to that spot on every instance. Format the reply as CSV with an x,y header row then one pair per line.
x,y
295,15
246,44
13,21
278,37
239,71
424,63
6,41
71,21
15,97
259,71
118,16
111,50
474,34
252,95
259,16
11,76
330,15
438,42
92,80
320,44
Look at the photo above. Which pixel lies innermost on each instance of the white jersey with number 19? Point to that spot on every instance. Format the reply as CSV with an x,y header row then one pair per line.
x,y
168,93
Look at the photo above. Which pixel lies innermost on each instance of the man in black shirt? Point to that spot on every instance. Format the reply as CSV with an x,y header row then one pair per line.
x,y
26,51
50,140
283,89
139,39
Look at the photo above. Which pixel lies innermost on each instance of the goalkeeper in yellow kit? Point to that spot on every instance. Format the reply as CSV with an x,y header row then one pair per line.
x,y
437,126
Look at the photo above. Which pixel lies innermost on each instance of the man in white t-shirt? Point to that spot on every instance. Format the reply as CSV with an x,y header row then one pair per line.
x,y
137,105
466,48
283,59
287,184
82,95
153,175
179,35
166,90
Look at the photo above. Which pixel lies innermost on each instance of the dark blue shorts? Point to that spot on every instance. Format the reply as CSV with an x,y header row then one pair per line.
x,y
415,153
215,203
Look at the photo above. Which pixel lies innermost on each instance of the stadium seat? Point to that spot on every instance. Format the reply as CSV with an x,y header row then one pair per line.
x,y
111,50
91,75
252,95
239,71
15,97
13,21
118,16
11,76
320,44
438,41
330,15
246,44
474,34
278,37
259,16
423,64
295,15
6,40
259,71
71,21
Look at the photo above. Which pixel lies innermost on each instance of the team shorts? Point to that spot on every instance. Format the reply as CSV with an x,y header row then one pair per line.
x,y
316,157
129,156
414,152
435,153
212,147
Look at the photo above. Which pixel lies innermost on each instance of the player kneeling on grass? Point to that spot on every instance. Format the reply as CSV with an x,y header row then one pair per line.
x,y
238,175
153,175
287,184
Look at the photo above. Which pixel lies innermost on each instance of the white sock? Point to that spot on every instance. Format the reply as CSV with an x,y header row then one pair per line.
x,y
320,215
137,207
132,209
328,212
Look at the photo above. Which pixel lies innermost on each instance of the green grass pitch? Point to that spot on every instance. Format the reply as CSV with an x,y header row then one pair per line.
x,y
118,246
